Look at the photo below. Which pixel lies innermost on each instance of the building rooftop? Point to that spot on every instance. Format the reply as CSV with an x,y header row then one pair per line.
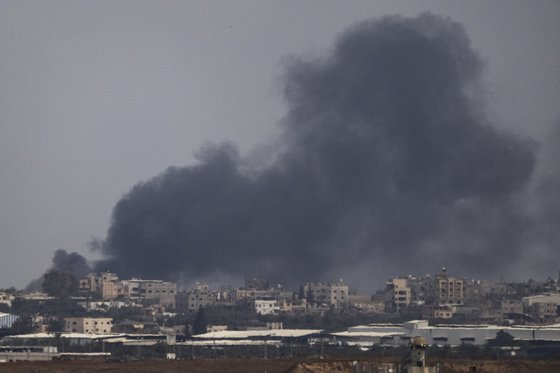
x,y
272,333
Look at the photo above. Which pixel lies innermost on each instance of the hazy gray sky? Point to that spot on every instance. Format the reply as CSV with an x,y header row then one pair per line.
x,y
98,95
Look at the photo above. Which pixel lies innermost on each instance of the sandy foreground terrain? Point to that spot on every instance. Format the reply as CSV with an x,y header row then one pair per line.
x,y
268,366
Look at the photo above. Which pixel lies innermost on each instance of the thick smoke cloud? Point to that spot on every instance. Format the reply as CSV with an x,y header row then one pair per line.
x,y
387,157
63,261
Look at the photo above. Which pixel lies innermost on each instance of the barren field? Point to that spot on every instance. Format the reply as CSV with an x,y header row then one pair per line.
x,y
269,366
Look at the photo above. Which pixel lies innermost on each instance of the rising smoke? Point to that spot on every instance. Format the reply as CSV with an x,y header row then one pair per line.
x,y
388,157
63,261
388,161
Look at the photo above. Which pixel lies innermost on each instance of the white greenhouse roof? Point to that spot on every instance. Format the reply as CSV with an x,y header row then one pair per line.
x,y
273,333
32,336
228,342
365,334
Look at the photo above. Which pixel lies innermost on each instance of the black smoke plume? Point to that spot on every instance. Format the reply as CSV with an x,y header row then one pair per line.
x,y
63,261
388,161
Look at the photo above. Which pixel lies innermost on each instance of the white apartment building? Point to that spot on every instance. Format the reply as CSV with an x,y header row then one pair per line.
x,y
267,306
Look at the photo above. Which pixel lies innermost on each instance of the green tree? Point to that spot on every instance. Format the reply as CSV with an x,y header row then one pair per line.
x,y
55,325
502,339
200,324
61,285
23,325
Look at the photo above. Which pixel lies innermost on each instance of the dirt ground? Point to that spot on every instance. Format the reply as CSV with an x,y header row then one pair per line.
x,y
265,365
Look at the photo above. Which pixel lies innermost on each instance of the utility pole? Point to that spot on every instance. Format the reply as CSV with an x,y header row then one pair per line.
x,y
265,351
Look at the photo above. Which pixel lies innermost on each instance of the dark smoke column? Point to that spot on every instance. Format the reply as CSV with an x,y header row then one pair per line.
x,y
388,157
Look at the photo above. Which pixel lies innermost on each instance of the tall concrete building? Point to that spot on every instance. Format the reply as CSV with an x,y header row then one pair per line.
x,y
449,290
104,283
331,294
397,294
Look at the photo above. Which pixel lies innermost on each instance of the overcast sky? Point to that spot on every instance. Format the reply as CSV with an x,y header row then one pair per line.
x,y
96,96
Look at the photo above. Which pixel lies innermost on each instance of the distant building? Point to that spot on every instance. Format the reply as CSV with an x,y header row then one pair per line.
x,y
104,284
449,290
108,286
192,299
88,325
275,293
542,307
35,295
541,298
330,294
397,294
544,311
367,303
511,306
452,335
266,306
442,312
159,291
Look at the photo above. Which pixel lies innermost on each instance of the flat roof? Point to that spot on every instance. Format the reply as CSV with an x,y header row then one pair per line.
x,y
365,334
273,333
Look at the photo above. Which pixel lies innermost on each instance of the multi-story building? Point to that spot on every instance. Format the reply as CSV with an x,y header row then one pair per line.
x,y
542,306
543,311
397,294
541,298
106,284
88,325
266,306
156,291
449,290
275,293
442,312
331,294
511,306
192,299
